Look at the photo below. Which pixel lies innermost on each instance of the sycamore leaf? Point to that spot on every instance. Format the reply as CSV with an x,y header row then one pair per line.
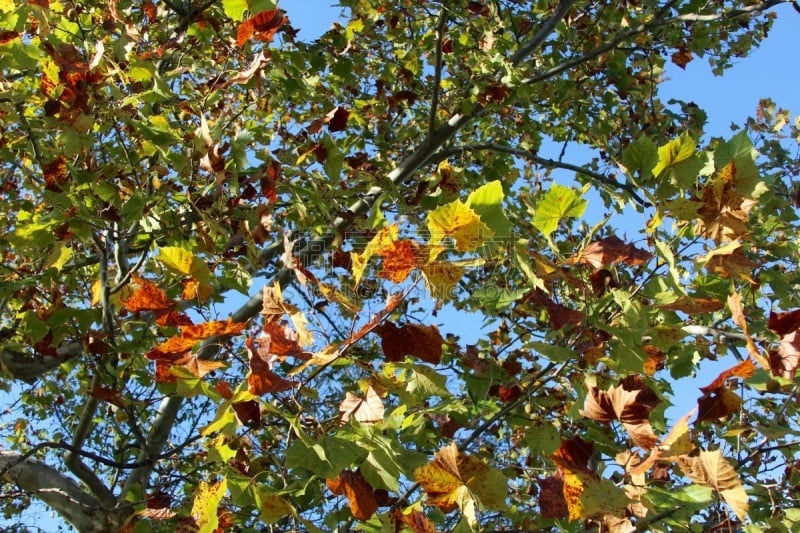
x,y
718,401
185,263
729,261
280,339
367,410
674,152
631,403
487,202
399,259
262,27
558,203
724,212
441,278
424,342
146,297
711,469
385,237
272,306
610,250
459,222
261,379
641,155
452,478
360,494
206,503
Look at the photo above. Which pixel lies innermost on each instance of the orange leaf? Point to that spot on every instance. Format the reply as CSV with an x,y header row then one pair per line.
x,y
261,378
360,494
415,520
56,174
423,342
147,297
682,57
262,26
693,305
281,339
367,410
745,369
399,259
213,328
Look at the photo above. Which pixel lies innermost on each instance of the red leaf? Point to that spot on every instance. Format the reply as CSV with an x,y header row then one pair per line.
x,y
261,378
423,342
783,323
611,250
56,174
682,57
147,297
399,259
248,413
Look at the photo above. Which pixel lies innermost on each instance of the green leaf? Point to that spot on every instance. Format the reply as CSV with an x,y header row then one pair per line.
x,y
641,155
558,203
554,352
495,299
674,152
487,202
543,438
235,9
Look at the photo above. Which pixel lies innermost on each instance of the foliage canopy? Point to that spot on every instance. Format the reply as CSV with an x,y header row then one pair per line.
x,y
162,159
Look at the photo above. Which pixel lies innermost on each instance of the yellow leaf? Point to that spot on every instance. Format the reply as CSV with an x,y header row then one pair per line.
x,y
459,222
184,262
384,238
206,502
674,152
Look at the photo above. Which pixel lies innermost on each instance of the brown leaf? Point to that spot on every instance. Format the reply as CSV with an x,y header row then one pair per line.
x,y
560,315
423,342
255,67
730,261
281,338
109,395
785,360
784,323
415,520
261,379
693,305
574,455
8,36
360,494
367,410
682,57
631,403
718,404
711,469
552,503
337,119
611,250
248,413
56,174
724,214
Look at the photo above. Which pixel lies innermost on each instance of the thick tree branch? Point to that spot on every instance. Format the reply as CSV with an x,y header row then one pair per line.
x,y
437,70
59,492
26,367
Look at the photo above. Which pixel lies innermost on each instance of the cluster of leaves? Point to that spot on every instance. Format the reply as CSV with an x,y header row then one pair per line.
x,y
152,151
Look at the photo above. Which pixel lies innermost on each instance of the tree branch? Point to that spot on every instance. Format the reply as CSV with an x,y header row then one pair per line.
x,y
437,70
545,162
26,367
58,491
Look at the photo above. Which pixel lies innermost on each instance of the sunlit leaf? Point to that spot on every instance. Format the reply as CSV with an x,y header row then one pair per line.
x,y
711,469
459,222
557,204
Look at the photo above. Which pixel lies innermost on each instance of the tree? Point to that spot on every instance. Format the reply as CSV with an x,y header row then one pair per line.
x,y
161,158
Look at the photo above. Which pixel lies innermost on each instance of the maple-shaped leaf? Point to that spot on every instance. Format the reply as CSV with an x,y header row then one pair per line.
x,y
109,395
784,360
194,333
745,369
424,342
558,203
611,250
724,214
248,412
459,222
711,469
631,403
261,379
367,410
729,261
262,27
146,297
674,152
452,478
384,238
359,493
399,259
441,278
198,367
184,262
280,339
272,305
682,57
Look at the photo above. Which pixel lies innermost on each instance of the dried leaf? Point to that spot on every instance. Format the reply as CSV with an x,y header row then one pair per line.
x,y
262,27
737,314
368,410
261,378
146,297
360,494
399,259
682,57
415,520
610,250
745,369
711,469
724,214
423,342
693,305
